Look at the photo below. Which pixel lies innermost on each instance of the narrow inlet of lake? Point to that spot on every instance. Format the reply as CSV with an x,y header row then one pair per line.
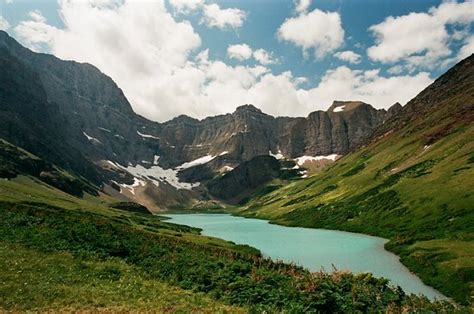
x,y
311,248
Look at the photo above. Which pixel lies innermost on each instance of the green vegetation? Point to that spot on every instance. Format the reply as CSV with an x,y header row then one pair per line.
x,y
85,255
398,188
59,282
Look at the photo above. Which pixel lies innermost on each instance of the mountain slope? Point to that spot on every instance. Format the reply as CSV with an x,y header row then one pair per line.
x,y
64,253
412,183
74,116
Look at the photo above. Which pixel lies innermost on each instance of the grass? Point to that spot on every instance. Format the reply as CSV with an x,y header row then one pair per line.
x,y
86,256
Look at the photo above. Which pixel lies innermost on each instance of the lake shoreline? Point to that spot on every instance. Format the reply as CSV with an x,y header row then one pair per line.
x,y
362,237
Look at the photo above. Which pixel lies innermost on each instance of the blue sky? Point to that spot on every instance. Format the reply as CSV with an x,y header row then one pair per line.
x,y
303,74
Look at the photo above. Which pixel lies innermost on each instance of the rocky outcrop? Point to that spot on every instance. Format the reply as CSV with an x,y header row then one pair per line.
x,y
248,176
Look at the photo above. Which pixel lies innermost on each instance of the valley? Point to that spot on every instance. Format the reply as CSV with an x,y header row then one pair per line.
x,y
352,209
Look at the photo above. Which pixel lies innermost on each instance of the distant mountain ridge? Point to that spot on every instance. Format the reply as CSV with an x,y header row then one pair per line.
x,y
78,118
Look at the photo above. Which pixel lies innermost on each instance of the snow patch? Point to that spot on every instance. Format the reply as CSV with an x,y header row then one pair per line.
x,y
156,175
196,162
301,160
104,129
136,182
90,138
227,169
200,161
278,155
147,135
339,109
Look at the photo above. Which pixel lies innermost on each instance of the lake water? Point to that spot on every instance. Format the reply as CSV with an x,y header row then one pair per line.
x,y
311,248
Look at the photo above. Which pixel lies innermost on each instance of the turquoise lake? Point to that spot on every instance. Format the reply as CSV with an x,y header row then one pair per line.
x,y
311,248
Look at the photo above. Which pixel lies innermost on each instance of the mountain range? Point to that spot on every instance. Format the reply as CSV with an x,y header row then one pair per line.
x,y
77,118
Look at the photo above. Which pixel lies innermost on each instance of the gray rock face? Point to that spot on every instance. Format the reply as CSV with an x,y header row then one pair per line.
x,y
248,132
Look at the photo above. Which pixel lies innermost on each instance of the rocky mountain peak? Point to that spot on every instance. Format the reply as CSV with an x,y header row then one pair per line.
x,y
339,106
182,119
395,109
247,108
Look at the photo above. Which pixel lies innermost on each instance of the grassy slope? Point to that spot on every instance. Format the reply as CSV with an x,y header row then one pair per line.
x,y
419,196
58,252
38,281
37,278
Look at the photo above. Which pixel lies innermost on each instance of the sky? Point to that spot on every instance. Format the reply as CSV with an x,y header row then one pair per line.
x,y
286,57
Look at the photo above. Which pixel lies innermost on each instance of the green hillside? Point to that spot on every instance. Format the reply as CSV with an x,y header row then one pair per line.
x,y
413,184
59,252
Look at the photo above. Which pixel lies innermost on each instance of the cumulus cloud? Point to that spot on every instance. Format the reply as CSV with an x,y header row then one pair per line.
x,y
35,33
348,56
244,52
302,6
164,71
239,52
263,56
420,39
186,6
369,86
4,25
317,30
214,16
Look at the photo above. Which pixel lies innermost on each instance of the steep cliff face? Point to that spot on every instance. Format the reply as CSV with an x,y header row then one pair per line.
x,y
248,132
92,108
73,115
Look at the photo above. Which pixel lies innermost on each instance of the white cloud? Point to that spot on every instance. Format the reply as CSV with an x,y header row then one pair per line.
x,y
302,6
343,83
348,56
467,49
239,52
318,30
4,25
214,16
244,52
162,77
186,6
263,57
420,39
396,69
35,32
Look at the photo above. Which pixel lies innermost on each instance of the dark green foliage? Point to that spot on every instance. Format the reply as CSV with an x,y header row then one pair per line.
x,y
260,193
470,160
298,200
354,170
237,276
131,207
